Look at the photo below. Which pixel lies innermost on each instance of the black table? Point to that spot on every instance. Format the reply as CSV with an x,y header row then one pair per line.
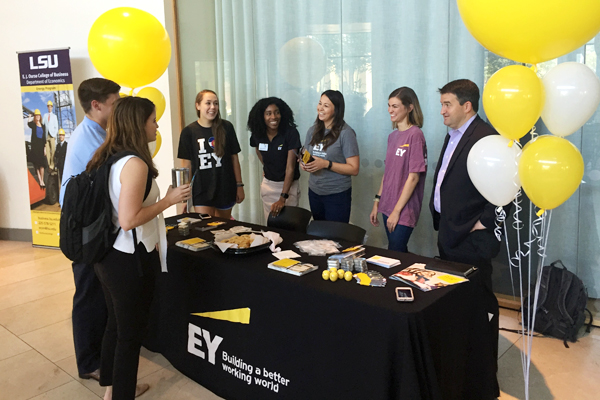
x,y
313,339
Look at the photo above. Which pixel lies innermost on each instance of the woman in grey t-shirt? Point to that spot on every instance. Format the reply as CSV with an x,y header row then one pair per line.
x,y
333,146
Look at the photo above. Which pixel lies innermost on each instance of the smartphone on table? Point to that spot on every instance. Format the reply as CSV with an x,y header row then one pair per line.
x,y
404,294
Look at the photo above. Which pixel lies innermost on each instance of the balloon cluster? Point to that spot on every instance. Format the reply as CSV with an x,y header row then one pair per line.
x,y
549,167
132,48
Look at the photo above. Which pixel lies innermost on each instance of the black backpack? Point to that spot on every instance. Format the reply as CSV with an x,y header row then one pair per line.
x,y
561,304
86,228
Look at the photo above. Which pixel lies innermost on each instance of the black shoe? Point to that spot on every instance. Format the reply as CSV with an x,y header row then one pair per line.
x,y
95,375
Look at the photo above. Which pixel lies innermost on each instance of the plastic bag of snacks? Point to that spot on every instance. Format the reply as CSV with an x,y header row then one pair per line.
x,y
320,247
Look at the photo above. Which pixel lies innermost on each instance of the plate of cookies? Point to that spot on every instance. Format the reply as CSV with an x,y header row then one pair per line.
x,y
246,243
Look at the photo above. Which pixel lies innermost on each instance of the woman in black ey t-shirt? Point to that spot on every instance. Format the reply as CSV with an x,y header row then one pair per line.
x,y
209,147
275,138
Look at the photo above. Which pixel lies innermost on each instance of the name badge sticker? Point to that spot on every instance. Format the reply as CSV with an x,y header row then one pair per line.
x,y
263,147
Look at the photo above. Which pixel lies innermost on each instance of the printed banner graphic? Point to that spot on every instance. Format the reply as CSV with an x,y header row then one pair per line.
x,y
48,121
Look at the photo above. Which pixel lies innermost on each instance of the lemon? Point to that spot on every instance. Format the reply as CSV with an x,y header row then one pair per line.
x,y
348,276
326,275
333,270
340,273
333,277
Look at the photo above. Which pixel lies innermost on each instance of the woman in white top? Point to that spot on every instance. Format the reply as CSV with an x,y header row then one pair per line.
x,y
127,273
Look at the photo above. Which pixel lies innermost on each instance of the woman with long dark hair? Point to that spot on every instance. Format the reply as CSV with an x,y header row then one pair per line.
x,y
276,140
332,144
401,191
37,156
209,148
128,271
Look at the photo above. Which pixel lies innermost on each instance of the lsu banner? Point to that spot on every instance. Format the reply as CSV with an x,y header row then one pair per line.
x,y
48,121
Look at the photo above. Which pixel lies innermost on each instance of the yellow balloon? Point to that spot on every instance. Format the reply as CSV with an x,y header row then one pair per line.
x,y
513,99
155,146
531,31
129,46
155,96
550,171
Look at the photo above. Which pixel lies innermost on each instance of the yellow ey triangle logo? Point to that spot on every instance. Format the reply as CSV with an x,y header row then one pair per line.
x,y
238,315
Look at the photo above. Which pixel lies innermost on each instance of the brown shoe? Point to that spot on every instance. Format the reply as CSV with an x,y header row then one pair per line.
x,y
141,389
95,375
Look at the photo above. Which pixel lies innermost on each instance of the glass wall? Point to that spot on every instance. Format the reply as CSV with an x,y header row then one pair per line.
x,y
246,50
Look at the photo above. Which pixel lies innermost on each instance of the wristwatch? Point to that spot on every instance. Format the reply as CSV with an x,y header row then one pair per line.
x,y
240,184
285,195
330,165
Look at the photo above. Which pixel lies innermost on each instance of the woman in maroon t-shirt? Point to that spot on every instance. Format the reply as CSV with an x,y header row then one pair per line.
x,y
401,192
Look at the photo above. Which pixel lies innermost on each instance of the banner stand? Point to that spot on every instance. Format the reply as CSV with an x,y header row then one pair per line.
x,y
48,121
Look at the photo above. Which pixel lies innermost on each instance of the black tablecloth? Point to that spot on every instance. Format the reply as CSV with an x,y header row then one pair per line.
x,y
315,339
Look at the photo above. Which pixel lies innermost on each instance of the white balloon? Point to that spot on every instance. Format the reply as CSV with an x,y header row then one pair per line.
x,y
494,169
302,62
572,97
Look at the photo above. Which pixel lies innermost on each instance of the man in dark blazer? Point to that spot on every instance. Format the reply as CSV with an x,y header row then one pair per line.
x,y
464,218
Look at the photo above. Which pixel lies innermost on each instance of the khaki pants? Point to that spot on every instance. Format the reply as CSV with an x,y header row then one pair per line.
x,y
270,192
50,148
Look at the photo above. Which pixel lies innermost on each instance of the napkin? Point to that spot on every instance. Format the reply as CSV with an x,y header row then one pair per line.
x,y
286,254
275,240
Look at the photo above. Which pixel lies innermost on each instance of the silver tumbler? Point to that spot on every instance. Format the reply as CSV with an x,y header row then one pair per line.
x,y
181,176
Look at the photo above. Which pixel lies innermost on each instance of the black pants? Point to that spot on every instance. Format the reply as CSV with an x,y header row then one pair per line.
x,y
89,318
478,249
128,297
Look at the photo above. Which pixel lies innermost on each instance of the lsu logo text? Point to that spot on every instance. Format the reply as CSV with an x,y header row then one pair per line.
x,y
44,62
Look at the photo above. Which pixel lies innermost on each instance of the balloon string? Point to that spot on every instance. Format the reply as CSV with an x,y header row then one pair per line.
x,y
542,253
538,234
526,338
515,262
533,133
512,281
518,225
500,217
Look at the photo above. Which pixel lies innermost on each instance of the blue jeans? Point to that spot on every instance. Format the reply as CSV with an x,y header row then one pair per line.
x,y
331,207
397,240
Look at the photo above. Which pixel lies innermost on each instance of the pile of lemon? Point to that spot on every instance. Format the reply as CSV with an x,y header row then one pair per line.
x,y
333,274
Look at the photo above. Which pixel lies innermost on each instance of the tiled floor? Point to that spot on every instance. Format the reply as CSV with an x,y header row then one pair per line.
x,y
37,359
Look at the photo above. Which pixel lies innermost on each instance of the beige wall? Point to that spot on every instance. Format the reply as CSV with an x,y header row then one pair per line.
x,y
36,25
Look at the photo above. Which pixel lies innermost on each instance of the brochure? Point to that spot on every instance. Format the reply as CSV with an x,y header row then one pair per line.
x,y
293,267
384,262
194,244
425,279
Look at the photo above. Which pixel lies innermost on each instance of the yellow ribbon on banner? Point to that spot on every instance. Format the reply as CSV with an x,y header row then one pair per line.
x,y
239,315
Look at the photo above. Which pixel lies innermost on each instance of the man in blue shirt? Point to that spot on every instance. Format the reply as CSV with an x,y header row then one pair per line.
x,y
96,97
